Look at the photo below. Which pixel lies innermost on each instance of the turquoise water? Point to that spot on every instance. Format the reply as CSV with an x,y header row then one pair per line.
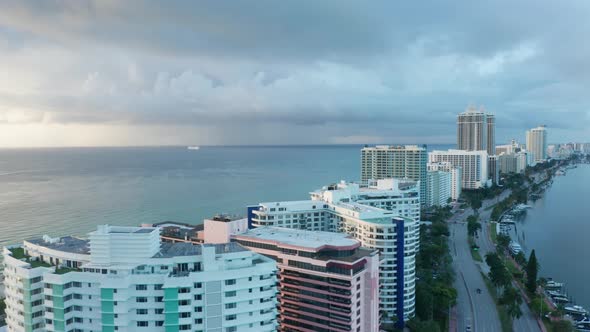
x,y
69,191
558,228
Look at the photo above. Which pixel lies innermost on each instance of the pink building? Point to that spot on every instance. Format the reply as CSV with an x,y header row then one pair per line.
x,y
327,282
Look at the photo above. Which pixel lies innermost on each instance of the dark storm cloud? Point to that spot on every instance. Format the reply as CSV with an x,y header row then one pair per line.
x,y
366,68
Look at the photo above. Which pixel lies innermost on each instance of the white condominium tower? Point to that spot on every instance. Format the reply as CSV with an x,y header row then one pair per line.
x,y
476,131
439,188
473,164
125,279
455,176
536,143
383,216
400,162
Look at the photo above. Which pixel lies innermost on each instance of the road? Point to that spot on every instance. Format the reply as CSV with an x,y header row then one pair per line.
x,y
478,310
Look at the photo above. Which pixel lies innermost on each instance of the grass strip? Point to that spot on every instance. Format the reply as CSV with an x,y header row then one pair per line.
x,y
505,319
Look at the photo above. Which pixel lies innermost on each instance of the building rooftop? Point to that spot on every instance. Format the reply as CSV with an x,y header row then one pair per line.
x,y
363,208
168,250
108,229
179,230
301,238
226,218
67,244
395,147
224,248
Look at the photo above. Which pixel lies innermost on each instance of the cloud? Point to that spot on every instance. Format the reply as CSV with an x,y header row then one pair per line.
x,y
340,71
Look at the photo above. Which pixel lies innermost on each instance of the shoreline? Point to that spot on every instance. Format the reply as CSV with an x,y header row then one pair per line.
x,y
559,171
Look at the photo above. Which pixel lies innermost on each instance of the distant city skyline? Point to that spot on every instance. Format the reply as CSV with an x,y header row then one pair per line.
x,y
92,73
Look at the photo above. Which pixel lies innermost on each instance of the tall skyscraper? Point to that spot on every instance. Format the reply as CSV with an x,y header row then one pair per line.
x,y
536,143
400,162
476,131
126,279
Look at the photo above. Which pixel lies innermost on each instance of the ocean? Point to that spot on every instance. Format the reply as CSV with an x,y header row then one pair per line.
x,y
71,190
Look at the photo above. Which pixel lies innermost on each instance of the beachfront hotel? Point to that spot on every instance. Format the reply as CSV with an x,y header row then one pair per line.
x,y
455,171
327,282
400,162
473,164
125,279
536,144
382,216
439,188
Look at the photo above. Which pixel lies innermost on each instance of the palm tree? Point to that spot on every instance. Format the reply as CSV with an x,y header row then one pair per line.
x,y
512,300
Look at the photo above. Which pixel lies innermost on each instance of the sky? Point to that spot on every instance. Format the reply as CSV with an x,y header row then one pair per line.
x,y
121,73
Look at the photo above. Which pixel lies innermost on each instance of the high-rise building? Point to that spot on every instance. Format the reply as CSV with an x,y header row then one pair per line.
x,y
439,188
536,143
327,282
491,134
473,164
383,216
513,147
513,162
456,174
125,279
493,169
399,162
476,131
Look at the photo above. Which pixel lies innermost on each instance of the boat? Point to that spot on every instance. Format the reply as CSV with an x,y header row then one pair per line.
x,y
560,299
514,248
553,285
576,310
554,293
583,325
193,147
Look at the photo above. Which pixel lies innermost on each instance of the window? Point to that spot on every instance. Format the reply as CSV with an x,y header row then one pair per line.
x,y
141,311
158,287
159,323
198,297
198,285
230,317
159,298
142,323
141,300
184,302
199,321
230,294
159,311
140,287
184,314
184,327
231,329
230,305
230,282
184,290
